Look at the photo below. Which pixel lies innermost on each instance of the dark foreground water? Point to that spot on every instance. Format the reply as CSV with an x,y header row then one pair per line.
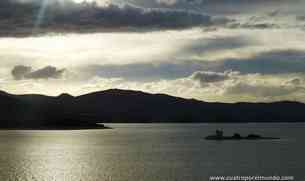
x,y
151,152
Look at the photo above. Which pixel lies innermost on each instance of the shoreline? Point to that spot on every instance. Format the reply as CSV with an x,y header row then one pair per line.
x,y
54,128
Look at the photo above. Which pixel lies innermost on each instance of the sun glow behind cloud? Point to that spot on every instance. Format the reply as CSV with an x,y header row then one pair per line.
x,y
103,48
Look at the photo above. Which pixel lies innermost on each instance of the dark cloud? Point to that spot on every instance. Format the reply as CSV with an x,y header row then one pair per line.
x,y
33,17
24,72
262,21
300,17
19,71
211,77
204,45
227,6
273,62
22,19
249,25
220,2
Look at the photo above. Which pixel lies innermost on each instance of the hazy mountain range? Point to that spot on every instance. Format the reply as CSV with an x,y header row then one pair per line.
x,y
126,106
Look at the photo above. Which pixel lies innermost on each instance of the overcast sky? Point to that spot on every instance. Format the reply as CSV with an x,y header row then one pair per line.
x,y
212,50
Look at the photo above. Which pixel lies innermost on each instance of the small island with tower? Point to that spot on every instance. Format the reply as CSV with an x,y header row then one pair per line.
x,y
236,136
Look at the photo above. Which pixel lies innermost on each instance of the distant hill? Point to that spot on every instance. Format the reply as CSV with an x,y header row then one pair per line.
x,y
126,106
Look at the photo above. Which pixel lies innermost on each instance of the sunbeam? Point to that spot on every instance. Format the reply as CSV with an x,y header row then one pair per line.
x,y
40,15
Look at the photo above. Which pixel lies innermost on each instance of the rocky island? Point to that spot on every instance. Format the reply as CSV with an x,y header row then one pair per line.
x,y
219,136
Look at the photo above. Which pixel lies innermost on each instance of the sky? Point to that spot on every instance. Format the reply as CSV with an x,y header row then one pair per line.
x,y
211,50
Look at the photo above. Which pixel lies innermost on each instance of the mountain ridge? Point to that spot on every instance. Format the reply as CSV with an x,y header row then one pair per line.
x,y
129,106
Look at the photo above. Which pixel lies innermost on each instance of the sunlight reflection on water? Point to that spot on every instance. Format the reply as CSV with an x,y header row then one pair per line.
x,y
148,152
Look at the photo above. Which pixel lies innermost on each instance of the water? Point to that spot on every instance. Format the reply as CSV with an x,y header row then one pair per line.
x,y
150,152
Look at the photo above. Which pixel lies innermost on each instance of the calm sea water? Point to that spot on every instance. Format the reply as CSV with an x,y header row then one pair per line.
x,y
151,152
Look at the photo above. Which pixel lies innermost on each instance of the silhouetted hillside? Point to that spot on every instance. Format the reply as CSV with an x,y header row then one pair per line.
x,y
126,106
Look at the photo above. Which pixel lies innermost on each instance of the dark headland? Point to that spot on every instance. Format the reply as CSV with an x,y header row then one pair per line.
x,y
126,106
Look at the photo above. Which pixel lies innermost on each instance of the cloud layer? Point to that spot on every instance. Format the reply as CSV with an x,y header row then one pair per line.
x,y
66,16
239,51
32,17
